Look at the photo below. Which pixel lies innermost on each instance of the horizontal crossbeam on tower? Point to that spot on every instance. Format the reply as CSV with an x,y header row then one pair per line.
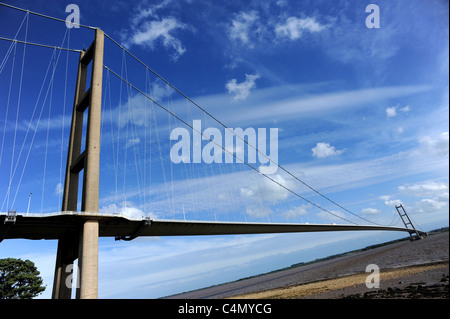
x,y
55,225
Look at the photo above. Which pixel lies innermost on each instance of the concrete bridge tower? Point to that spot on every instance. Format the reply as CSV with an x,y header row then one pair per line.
x,y
83,243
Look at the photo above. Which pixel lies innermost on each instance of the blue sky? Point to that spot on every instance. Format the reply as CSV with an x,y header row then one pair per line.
x,y
362,116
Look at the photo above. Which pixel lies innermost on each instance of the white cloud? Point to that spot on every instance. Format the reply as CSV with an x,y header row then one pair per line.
x,y
431,205
428,204
268,190
129,211
149,29
148,12
241,27
425,189
160,30
436,145
391,111
294,27
249,28
322,150
393,202
435,196
242,90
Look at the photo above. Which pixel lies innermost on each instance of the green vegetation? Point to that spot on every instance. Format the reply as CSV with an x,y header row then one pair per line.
x,y
19,279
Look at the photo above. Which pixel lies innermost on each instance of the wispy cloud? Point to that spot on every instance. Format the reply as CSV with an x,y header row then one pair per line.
x,y
242,27
149,29
313,104
251,28
405,109
268,190
435,144
259,197
241,90
160,30
146,11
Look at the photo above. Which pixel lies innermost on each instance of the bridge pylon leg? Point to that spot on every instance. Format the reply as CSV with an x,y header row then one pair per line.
x,y
88,261
66,255
86,244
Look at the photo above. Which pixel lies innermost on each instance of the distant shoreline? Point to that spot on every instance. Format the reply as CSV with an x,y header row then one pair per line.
x,y
331,267
433,232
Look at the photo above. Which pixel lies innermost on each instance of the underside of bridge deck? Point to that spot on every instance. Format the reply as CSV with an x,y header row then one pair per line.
x,y
57,225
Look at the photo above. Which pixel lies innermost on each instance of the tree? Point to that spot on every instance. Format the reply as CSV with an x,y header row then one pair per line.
x,y
19,279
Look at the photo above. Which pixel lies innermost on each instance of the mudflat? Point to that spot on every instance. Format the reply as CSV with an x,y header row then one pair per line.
x,y
407,269
426,281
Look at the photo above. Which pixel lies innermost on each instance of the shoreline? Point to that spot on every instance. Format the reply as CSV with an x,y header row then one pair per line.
x,y
405,255
418,281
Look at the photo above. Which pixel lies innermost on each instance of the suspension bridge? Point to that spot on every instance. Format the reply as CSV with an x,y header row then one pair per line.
x,y
113,196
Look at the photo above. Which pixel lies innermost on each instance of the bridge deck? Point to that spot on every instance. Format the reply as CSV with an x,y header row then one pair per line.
x,y
53,226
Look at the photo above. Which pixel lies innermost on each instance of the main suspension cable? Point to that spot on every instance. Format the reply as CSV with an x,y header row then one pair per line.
x,y
234,133
46,16
223,148
190,100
